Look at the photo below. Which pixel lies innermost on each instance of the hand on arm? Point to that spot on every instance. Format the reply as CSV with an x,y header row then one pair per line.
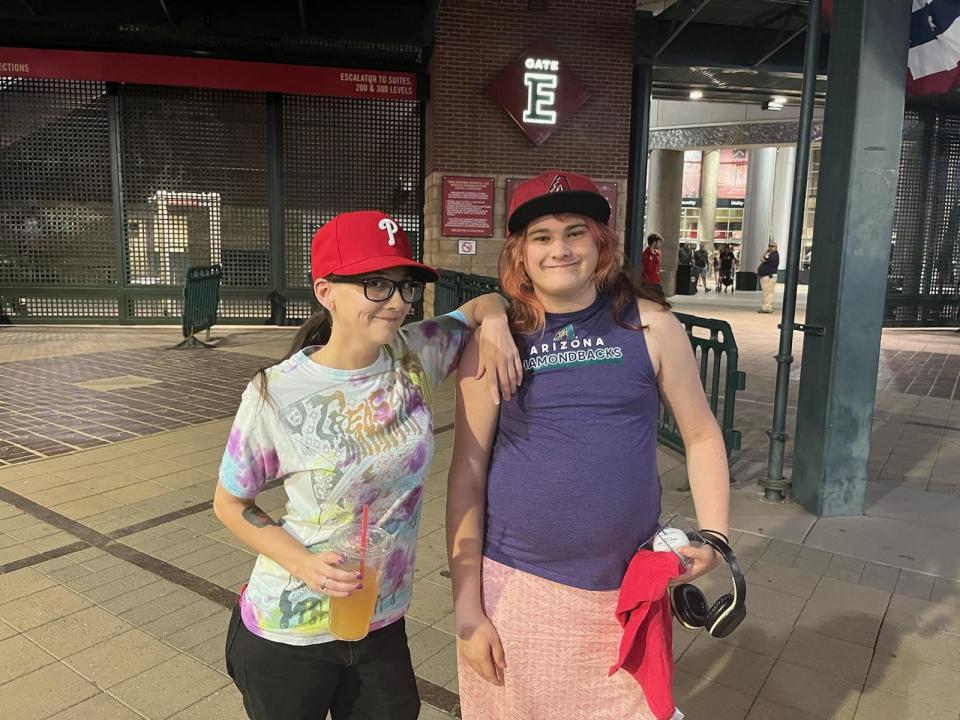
x,y
499,359
475,426
320,571
707,470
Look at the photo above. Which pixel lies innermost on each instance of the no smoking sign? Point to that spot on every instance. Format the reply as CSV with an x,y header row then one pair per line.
x,y
467,247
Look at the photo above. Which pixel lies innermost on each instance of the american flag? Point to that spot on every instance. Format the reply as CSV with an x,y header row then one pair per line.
x,y
933,65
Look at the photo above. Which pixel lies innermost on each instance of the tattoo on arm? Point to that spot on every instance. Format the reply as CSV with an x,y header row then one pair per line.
x,y
258,518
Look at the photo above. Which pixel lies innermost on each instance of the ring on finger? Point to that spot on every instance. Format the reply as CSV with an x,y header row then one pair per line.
x,y
323,584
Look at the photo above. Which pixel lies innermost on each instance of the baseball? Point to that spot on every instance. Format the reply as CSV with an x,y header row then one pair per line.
x,y
670,539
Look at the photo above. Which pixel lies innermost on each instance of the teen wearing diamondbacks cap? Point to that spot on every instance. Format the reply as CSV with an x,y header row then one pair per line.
x,y
550,495
344,421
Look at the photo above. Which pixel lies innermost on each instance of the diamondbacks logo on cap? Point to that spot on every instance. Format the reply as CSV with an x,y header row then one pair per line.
x,y
559,184
391,227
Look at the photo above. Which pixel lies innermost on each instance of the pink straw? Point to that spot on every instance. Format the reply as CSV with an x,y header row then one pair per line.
x,y
363,536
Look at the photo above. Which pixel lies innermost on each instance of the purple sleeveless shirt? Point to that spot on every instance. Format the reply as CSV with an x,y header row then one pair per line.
x,y
573,488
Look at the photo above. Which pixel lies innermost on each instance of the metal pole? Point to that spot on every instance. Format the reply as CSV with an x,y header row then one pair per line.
x,y
637,172
121,254
275,210
776,487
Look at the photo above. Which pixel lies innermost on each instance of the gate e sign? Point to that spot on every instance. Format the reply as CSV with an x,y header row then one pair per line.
x,y
539,91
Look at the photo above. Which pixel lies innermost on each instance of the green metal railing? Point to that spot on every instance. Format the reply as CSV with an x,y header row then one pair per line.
x,y
454,289
201,298
716,355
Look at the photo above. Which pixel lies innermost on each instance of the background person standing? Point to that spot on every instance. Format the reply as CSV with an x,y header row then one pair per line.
x,y
700,260
651,260
767,270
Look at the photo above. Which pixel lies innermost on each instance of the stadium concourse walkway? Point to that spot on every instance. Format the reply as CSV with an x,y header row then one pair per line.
x,y
116,580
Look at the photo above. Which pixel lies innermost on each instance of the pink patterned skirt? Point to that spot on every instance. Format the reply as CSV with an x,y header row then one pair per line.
x,y
559,643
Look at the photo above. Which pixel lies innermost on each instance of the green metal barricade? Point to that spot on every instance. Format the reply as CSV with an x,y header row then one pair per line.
x,y
201,298
717,356
472,286
446,297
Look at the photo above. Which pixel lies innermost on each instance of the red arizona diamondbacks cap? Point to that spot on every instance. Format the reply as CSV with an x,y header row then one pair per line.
x,y
356,243
555,192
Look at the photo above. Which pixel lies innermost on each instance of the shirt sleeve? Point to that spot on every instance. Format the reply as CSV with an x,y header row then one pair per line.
x,y
250,461
439,343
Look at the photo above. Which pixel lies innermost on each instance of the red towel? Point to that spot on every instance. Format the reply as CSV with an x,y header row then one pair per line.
x,y
643,610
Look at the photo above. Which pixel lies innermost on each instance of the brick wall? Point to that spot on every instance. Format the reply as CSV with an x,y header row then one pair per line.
x,y
467,133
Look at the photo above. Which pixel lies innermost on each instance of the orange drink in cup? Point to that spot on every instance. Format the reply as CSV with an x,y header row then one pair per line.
x,y
350,616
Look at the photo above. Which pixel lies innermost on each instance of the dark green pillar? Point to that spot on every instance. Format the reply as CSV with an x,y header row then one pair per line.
x,y
858,184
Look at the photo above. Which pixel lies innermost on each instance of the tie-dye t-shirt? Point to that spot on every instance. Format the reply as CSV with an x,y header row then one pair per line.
x,y
340,439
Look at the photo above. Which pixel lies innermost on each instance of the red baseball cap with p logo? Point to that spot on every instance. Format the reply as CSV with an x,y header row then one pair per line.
x,y
553,193
356,243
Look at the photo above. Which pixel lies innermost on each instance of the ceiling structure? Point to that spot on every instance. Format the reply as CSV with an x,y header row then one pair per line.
x,y
365,33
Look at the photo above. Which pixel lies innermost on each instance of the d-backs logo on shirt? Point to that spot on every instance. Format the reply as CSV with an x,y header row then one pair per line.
x,y
568,350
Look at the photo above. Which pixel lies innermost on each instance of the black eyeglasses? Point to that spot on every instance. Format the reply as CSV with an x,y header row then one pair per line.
x,y
379,289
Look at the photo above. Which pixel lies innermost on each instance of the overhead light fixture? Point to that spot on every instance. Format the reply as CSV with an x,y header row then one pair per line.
x,y
696,94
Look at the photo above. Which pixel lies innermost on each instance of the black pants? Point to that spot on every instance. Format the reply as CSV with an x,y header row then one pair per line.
x,y
371,679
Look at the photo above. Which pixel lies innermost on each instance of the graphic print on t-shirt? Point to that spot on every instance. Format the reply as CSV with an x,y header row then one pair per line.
x,y
568,350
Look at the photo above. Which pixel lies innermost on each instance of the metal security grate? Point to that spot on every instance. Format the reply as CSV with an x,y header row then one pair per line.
x,y
195,185
55,208
344,154
109,193
86,308
923,283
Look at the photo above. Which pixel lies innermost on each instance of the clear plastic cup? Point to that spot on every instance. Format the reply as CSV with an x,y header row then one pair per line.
x,y
350,616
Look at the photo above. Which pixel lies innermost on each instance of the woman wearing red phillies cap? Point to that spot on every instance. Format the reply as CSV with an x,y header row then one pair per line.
x,y
345,423
550,495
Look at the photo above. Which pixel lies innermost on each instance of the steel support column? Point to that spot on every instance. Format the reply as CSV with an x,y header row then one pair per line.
x,y
637,172
116,196
858,182
275,207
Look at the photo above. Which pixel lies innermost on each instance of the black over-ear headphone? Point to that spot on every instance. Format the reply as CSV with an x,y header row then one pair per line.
x,y
690,606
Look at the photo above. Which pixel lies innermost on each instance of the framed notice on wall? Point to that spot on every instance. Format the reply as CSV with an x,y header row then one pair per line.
x,y
467,207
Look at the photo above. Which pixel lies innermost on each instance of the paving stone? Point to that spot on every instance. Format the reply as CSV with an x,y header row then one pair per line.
x,y
427,643
818,652
175,623
19,656
441,668
791,580
45,692
700,698
727,665
23,582
120,658
880,705
224,704
159,607
819,694
430,602
82,629
932,684
214,625
763,709
41,608
99,707
170,687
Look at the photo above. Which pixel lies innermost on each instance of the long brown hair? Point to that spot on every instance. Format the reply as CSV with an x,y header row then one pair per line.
x,y
612,278
314,331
